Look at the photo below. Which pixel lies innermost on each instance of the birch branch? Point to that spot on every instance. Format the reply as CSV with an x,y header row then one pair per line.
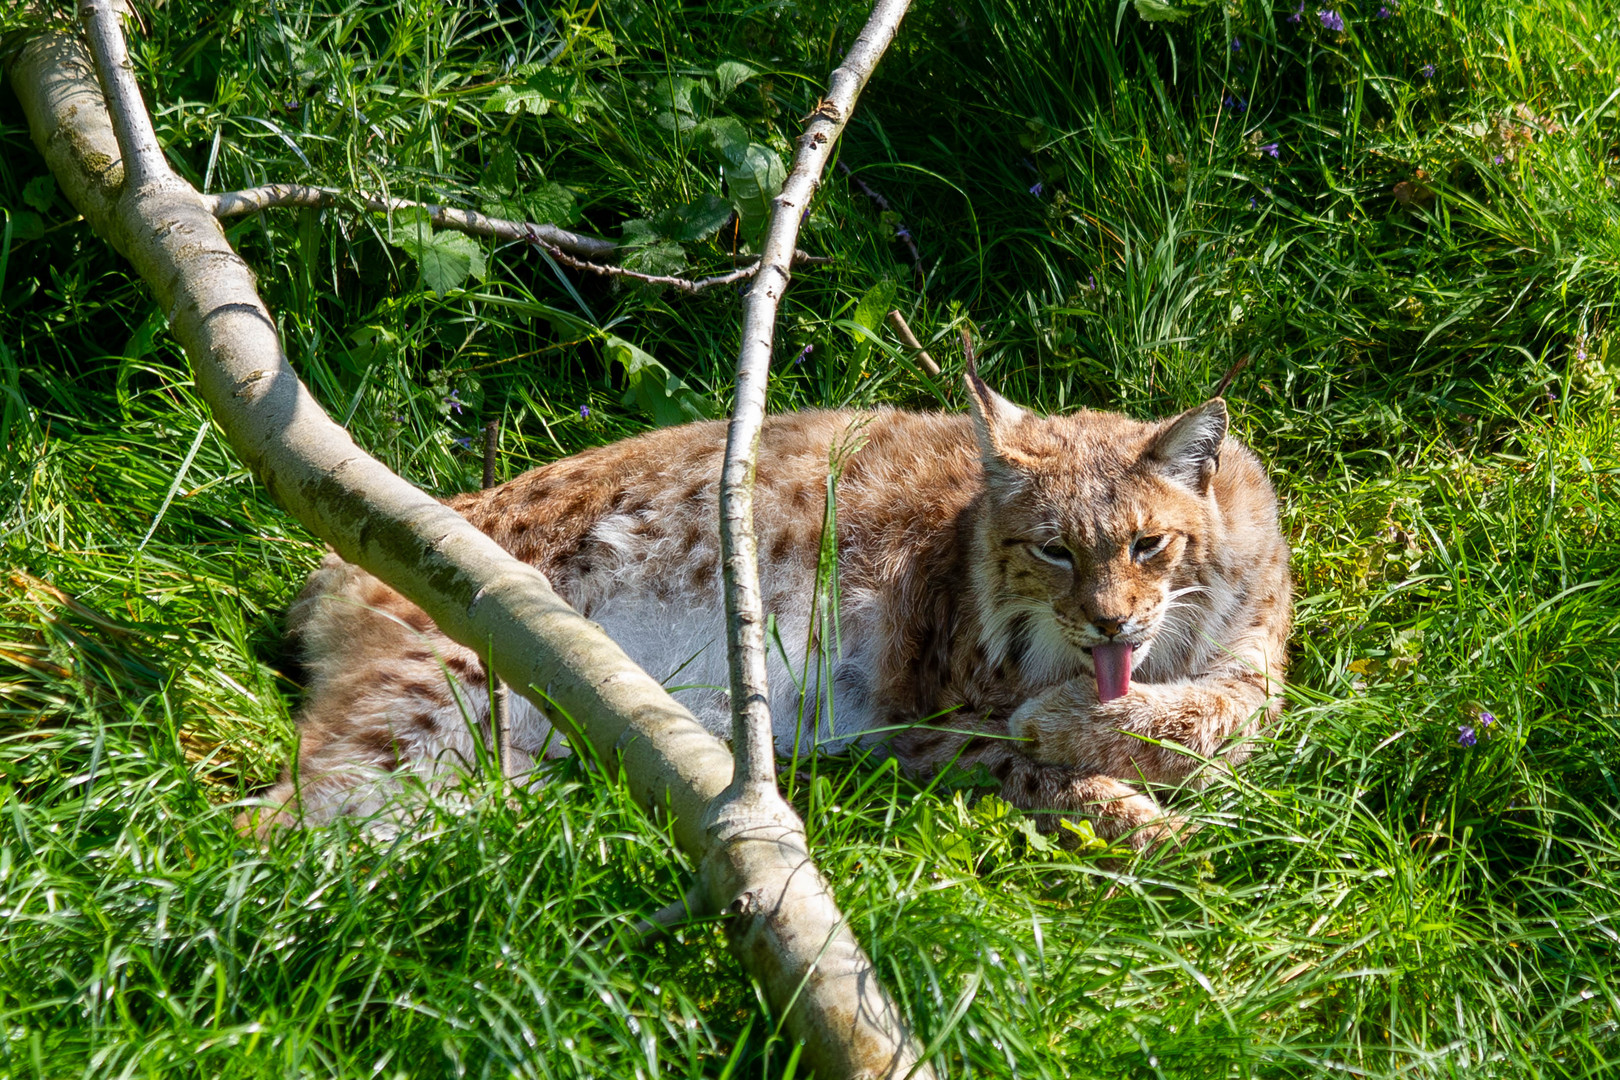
x,y
784,924
752,810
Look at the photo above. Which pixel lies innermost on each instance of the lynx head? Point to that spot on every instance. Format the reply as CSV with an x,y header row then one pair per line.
x,y
1091,527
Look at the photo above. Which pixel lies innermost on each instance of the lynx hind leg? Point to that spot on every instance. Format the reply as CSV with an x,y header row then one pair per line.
x,y
390,700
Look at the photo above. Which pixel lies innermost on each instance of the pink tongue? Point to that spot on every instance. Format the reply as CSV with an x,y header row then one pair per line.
x,y
1113,663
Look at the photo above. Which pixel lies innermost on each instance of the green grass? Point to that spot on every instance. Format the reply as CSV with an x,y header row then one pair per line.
x,y
1430,381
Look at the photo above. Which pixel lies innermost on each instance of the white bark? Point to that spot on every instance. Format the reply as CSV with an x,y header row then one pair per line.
x,y
787,929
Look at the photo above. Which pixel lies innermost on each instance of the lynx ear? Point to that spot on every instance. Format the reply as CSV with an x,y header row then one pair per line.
x,y
993,418
1189,448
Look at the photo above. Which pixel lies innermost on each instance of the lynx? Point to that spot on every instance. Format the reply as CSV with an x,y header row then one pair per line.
x,y
1074,603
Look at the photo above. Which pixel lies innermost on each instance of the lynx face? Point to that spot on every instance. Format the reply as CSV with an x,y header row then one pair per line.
x,y
1093,532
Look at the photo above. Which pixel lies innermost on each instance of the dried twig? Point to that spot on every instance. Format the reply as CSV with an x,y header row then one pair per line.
x,y
903,330
500,705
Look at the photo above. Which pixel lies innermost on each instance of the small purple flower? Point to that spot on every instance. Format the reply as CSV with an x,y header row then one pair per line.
x,y
465,442
1236,104
1331,20
1270,148
399,418
1466,736
1252,203
584,412
1037,188
1299,14
804,352
1486,719
454,401
1383,13
1427,71
1497,159
1237,45
1091,282
902,233
1580,353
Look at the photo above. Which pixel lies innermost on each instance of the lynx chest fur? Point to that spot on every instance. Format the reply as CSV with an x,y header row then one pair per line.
x,y
1033,594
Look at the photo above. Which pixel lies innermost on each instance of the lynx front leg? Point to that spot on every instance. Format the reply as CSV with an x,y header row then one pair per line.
x,y
1067,725
1116,810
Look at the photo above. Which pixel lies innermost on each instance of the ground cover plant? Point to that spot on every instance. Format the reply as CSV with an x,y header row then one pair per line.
x,y
1400,219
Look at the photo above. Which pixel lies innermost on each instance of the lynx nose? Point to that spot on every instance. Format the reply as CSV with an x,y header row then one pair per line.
x,y
1109,625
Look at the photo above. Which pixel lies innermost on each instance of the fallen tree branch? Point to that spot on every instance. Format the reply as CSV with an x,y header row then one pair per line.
x,y
794,940
686,285
752,816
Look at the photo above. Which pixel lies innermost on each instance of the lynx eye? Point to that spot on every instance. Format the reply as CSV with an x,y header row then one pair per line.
x,y
1053,552
1148,546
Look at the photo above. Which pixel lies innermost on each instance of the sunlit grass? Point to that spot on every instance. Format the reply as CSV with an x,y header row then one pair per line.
x,y
1427,341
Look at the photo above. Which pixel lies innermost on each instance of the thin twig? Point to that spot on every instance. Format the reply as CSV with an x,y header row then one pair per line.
x,y
686,285
1231,373
252,200
903,330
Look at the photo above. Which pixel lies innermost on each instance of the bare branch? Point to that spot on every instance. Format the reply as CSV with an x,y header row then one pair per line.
x,y
686,285
903,330
872,1039
252,200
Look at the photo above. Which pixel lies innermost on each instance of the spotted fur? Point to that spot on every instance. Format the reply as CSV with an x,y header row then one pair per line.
x,y
979,559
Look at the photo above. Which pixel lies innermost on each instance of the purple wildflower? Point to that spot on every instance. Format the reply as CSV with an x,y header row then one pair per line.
x,y
1252,203
584,412
1036,188
1299,14
804,352
1237,44
399,418
1486,719
1331,20
1580,353
1466,736
1383,12
902,233
1427,71
1270,148
1091,282
1497,159
454,401
1236,104
465,442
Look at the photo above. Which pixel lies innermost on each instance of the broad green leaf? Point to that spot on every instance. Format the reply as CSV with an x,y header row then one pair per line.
x,y
446,259
754,178
873,306
653,388
729,75
26,225
550,204
727,135
695,220
665,257
521,98
672,100
40,192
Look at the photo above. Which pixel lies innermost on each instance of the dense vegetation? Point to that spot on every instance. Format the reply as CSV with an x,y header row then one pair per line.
x,y
1402,217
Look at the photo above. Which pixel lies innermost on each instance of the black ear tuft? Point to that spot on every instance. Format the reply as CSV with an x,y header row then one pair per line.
x,y
1189,448
993,418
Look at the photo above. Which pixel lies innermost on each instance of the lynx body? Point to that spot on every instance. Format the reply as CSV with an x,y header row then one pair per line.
x,y
994,572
